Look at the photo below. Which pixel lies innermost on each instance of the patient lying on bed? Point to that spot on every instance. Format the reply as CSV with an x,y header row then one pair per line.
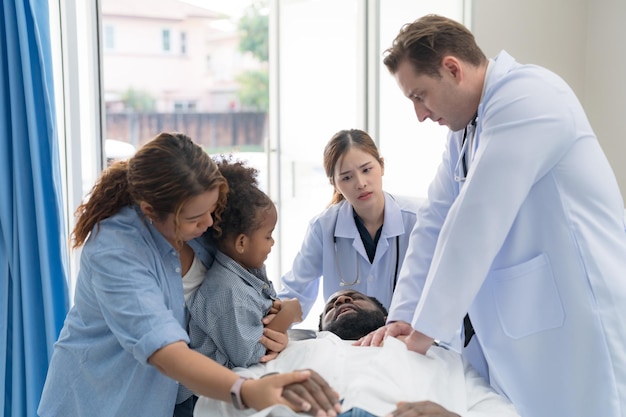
x,y
373,379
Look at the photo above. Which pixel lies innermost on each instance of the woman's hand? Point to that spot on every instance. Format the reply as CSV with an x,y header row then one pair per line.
x,y
313,396
377,337
421,409
302,391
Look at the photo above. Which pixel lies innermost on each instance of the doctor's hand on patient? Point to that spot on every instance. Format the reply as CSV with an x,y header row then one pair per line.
x,y
377,337
414,340
421,409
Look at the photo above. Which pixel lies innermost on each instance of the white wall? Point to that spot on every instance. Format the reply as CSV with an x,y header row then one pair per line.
x,y
582,41
605,81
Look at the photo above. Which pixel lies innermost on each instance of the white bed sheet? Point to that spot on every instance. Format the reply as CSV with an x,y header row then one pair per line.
x,y
376,378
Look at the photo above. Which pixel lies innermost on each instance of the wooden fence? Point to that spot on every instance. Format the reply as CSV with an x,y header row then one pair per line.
x,y
211,130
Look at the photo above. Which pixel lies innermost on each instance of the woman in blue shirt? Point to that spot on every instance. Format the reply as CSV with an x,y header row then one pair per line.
x,y
123,346
360,240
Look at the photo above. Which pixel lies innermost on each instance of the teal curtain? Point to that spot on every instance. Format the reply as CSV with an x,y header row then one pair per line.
x,y
33,258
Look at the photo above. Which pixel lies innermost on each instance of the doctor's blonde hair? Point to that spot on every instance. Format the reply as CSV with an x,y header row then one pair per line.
x,y
339,145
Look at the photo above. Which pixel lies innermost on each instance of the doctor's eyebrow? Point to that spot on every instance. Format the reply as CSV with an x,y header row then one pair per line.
x,y
359,167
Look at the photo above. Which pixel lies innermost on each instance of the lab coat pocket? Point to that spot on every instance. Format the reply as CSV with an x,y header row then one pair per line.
x,y
527,299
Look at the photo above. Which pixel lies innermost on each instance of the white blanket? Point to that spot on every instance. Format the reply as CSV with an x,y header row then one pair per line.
x,y
376,378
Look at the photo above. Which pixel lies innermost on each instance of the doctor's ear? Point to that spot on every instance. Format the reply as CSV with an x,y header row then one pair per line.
x,y
451,65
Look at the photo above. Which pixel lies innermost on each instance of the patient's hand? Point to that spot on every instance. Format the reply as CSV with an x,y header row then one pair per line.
x,y
376,338
314,396
421,409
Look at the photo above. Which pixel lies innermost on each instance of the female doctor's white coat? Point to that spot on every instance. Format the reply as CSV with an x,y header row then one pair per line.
x,y
317,256
532,245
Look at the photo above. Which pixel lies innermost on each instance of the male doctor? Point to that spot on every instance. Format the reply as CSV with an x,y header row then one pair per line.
x,y
524,229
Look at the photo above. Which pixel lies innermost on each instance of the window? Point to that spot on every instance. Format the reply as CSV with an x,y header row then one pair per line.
x,y
165,36
327,75
109,37
184,106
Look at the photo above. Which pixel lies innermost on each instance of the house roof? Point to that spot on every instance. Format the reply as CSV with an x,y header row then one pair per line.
x,y
162,9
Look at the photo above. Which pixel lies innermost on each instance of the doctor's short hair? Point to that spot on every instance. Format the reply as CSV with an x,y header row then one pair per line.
x,y
339,145
427,40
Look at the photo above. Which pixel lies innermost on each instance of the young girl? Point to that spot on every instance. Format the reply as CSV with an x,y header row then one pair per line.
x,y
360,240
123,346
226,311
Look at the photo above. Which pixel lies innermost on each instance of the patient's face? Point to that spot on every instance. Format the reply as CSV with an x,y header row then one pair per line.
x,y
351,315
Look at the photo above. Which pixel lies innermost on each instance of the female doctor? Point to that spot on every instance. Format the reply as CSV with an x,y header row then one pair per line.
x,y
360,240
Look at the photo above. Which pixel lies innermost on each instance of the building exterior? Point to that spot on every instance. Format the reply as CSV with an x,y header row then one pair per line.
x,y
172,66
172,52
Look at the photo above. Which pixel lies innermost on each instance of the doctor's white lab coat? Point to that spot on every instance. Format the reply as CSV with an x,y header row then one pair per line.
x,y
532,245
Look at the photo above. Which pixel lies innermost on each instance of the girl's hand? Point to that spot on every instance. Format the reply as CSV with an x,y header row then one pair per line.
x,y
274,341
274,309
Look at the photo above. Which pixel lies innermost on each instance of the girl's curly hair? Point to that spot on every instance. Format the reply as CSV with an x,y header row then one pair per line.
x,y
245,202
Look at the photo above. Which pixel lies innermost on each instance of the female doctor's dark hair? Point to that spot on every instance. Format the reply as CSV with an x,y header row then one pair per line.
x,y
339,145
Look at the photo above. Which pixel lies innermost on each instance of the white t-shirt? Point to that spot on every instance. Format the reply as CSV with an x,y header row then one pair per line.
x,y
193,278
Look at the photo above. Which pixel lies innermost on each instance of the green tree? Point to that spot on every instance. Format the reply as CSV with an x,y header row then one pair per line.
x,y
254,89
253,30
138,100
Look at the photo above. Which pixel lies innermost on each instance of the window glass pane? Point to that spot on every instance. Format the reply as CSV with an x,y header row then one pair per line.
x,y
166,40
182,66
412,150
323,70
320,79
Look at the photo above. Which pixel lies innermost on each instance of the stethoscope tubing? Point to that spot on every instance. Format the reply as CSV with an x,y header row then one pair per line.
x,y
356,280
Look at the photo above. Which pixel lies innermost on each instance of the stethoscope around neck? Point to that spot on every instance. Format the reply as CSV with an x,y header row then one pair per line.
x,y
356,280
467,143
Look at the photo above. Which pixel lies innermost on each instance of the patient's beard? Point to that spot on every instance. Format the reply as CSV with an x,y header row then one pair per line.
x,y
355,326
